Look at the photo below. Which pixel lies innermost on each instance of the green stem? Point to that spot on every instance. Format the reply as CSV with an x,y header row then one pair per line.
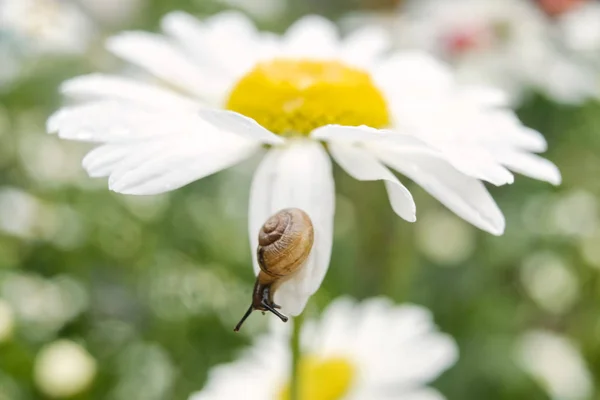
x,y
296,356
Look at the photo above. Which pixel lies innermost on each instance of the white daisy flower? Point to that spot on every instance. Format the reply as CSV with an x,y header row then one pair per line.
x,y
241,90
579,27
503,43
45,26
373,350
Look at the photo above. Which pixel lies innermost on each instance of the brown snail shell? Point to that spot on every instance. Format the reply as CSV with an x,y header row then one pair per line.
x,y
284,244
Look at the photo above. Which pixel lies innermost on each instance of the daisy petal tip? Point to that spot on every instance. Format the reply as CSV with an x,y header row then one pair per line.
x,y
497,230
556,177
120,42
506,178
557,181
51,127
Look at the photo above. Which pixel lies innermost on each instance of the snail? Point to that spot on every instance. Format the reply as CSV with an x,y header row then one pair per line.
x,y
284,244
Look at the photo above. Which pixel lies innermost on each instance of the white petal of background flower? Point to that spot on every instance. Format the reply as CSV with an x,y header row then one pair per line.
x,y
359,164
364,334
296,175
394,349
254,376
422,394
425,394
466,196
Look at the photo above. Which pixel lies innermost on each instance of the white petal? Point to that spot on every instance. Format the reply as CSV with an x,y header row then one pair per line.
x,y
478,162
224,44
530,165
502,128
410,76
464,195
113,121
527,139
239,124
487,96
111,87
376,393
362,166
311,36
396,346
103,160
106,121
256,375
365,134
158,56
297,175
166,164
364,46
423,394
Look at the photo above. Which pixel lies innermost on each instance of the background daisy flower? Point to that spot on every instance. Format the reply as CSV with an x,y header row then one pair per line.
x,y
368,350
501,43
239,90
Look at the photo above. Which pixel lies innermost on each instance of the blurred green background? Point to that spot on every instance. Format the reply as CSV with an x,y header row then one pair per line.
x,y
151,287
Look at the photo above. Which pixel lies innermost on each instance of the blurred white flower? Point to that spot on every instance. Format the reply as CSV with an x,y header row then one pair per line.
x,y
63,369
45,26
509,44
556,364
580,29
7,321
550,282
112,12
33,28
372,350
402,111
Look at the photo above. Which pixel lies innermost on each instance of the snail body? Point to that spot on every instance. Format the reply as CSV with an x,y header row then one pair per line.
x,y
284,244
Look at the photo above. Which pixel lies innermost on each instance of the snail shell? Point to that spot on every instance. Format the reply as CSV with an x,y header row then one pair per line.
x,y
284,244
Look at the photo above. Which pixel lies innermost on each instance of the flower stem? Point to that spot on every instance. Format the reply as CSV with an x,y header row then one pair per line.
x,y
296,356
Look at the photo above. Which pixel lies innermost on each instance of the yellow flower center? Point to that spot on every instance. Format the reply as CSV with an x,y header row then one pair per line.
x,y
322,379
290,96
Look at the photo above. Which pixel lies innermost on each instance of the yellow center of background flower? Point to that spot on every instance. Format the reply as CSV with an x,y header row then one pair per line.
x,y
296,96
322,379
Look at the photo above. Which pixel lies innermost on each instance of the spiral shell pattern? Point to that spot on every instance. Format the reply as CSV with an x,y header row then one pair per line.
x,y
285,242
